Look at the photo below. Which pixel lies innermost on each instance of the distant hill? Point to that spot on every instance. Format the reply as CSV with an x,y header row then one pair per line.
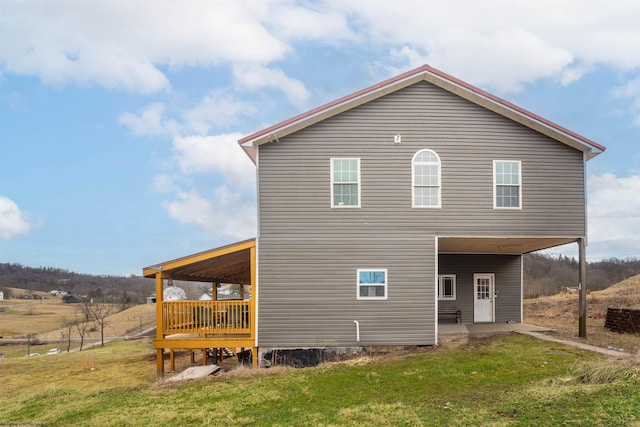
x,y
546,275
543,275
133,289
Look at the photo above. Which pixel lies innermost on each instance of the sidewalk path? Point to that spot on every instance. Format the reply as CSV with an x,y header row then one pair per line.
x,y
588,347
457,331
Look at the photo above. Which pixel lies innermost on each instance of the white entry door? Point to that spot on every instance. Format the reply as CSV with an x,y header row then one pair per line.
x,y
483,306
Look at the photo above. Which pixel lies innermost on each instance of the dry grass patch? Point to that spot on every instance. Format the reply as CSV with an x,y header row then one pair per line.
x,y
131,321
560,312
24,317
45,318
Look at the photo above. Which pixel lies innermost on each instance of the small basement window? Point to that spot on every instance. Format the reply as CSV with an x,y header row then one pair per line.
x,y
447,287
372,284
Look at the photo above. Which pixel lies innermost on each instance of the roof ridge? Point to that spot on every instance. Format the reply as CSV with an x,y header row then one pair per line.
x,y
426,70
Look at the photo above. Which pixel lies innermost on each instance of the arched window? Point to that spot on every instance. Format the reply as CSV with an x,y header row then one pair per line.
x,y
426,179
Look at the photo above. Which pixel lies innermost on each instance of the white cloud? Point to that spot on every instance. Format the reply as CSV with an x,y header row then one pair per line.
x,y
614,213
149,121
218,109
223,213
122,44
514,42
129,45
256,77
197,153
508,58
572,74
164,183
631,90
614,219
313,21
219,154
218,158
13,221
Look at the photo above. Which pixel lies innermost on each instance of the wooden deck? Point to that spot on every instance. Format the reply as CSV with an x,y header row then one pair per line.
x,y
204,326
207,325
229,317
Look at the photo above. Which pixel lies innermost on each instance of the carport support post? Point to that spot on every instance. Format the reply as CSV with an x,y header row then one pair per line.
x,y
582,298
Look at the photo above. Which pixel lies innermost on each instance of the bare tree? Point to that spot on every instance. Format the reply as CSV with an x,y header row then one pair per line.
x,y
98,314
82,318
68,325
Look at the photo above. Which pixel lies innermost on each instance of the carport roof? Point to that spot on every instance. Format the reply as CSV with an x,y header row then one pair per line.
x,y
226,264
499,245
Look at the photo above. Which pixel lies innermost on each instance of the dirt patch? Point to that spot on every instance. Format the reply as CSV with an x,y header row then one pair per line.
x,y
560,312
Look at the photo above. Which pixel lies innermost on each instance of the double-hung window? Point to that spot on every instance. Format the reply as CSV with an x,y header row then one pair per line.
x,y
447,287
426,179
507,188
372,283
345,183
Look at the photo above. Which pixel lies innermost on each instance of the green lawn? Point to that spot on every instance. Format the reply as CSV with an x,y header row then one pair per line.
x,y
507,380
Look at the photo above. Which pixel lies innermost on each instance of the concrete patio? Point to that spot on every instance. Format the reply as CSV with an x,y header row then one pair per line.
x,y
452,330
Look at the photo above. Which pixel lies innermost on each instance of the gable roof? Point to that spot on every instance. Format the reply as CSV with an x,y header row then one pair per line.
x,y
437,78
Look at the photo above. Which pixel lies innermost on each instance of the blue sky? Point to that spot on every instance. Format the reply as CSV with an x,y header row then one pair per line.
x,y
119,121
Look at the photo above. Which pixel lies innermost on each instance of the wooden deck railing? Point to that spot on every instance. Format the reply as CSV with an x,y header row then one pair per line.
x,y
206,317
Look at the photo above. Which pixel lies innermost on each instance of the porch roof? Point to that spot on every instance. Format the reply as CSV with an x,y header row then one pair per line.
x,y
226,264
499,245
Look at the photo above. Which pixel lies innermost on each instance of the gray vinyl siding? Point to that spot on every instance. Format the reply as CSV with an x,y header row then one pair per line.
x,y
507,270
295,187
308,292
309,252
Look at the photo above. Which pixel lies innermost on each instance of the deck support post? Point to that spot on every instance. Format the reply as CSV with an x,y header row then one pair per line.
x,y
582,287
159,322
193,357
159,363
204,357
172,360
254,357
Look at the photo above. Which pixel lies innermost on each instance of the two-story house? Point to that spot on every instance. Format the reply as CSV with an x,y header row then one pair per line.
x,y
382,208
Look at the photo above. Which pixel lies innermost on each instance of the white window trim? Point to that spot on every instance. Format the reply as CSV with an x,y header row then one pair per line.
x,y
440,287
495,195
331,182
385,284
413,180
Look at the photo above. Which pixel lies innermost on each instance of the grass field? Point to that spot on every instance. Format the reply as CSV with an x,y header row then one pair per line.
x,y
506,380
44,319
21,317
